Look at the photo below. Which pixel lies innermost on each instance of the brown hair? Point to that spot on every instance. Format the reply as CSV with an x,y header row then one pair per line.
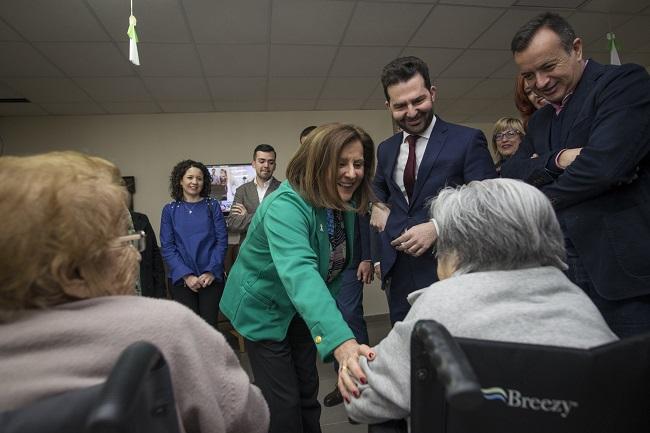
x,y
523,104
313,169
504,124
60,228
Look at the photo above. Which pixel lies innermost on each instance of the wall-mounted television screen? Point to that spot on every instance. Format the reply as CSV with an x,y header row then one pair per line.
x,y
225,179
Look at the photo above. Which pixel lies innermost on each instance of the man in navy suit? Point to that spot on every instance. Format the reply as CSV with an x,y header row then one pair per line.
x,y
589,152
412,166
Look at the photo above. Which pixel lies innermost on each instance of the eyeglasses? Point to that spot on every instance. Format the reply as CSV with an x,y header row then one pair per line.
x,y
506,134
138,240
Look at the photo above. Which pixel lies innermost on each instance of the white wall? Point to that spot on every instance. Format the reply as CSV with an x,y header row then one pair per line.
x,y
148,146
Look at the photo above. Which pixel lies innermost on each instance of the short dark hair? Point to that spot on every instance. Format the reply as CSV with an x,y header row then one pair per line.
x,y
305,132
549,20
403,69
179,170
263,148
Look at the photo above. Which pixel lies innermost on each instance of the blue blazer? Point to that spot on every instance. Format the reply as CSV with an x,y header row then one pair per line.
x,y
454,155
603,197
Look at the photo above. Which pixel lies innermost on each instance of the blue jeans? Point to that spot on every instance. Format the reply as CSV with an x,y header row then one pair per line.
x,y
350,303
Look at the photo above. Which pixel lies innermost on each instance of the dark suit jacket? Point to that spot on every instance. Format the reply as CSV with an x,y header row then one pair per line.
x,y
152,271
603,197
246,194
454,155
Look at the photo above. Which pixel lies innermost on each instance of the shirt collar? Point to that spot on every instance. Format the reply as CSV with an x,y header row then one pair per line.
x,y
264,184
559,107
424,134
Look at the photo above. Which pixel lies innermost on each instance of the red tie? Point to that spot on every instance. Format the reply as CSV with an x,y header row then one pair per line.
x,y
409,169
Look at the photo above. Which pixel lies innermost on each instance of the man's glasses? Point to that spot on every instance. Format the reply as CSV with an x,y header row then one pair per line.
x,y
138,240
506,134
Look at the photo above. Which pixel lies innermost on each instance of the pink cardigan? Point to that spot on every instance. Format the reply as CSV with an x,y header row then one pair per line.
x,y
75,345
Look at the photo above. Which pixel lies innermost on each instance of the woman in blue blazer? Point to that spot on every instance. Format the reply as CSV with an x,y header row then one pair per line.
x,y
280,292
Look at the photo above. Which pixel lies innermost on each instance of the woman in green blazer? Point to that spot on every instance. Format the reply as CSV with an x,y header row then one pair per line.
x,y
280,292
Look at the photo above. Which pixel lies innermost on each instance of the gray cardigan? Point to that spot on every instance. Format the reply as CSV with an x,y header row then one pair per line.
x,y
536,306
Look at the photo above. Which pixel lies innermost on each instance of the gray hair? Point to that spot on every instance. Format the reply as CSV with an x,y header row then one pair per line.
x,y
497,224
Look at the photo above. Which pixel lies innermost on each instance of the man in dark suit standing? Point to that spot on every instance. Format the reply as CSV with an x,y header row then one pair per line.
x,y
412,166
249,195
588,151
152,270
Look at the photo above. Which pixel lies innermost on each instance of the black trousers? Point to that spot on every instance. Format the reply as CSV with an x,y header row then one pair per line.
x,y
205,302
286,373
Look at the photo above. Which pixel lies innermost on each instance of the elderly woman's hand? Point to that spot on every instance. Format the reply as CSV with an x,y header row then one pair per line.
x,y
350,372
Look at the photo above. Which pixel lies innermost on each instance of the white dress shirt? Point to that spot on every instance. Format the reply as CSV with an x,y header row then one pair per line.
x,y
420,147
261,190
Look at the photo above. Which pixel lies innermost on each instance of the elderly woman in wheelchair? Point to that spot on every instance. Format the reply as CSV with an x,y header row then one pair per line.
x,y
500,254
68,264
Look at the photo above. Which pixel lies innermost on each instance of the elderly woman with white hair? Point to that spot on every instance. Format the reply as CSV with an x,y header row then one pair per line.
x,y
500,252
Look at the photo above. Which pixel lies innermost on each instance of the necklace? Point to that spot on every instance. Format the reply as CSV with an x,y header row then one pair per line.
x,y
190,208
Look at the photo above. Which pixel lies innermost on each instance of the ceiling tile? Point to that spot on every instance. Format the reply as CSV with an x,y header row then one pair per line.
x,y
295,88
177,88
20,59
167,60
73,108
242,89
291,104
468,107
236,106
158,20
488,3
117,89
46,20
437,59
493,88
548,4
87,59
593,26
6,92
301,60
362,61
339,104
21,109
508,70
635,34
452,88
348,88
48,89
477,63
309,21
627,6
499,35
368,25
7,34
441,29
234,60
131,107
186,107
229,21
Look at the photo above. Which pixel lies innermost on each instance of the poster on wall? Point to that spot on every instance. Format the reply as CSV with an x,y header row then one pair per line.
x,y
225,179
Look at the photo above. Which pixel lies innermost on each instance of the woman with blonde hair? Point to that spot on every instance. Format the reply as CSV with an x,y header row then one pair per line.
x,y
506,138
280,292
66,269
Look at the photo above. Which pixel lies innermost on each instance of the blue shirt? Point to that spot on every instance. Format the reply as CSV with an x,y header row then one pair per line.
x,y
193,238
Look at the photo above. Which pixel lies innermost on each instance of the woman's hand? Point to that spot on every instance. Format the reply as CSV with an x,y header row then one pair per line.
x,y
364,272
347,354
206,279
192,282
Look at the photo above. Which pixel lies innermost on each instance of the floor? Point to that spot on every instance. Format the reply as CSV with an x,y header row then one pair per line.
x,y
334,419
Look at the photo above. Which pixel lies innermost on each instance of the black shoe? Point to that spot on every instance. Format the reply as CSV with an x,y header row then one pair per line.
x,y
334,398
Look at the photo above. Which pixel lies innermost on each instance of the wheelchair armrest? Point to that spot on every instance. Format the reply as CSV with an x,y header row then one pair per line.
x,y
432,345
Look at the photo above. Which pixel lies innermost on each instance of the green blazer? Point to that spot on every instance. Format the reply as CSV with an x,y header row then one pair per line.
x,y
280,272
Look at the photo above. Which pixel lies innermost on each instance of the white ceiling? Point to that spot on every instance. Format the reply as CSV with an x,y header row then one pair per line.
x,y
70,57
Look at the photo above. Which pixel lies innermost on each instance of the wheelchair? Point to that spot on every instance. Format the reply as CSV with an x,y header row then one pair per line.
x,y
462,385
137,397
